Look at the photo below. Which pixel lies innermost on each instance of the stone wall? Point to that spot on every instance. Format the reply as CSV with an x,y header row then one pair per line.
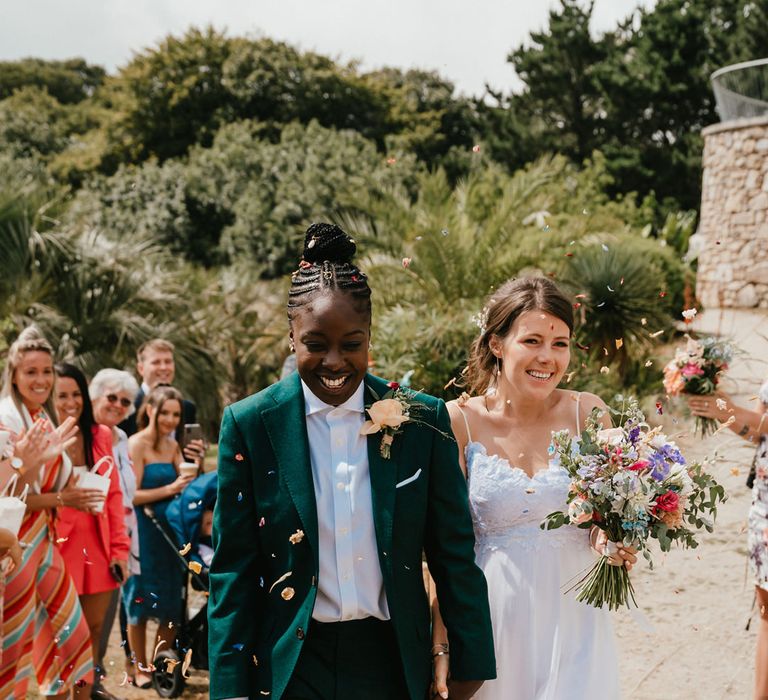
x,y
733,258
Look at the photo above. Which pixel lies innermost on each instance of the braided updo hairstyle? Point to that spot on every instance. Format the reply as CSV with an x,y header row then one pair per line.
x,y
326,265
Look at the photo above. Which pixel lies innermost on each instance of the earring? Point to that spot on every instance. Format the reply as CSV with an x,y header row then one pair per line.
x,y
498,367
291,346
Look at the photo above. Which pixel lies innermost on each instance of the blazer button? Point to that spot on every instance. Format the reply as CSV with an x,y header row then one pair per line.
x,y
299,633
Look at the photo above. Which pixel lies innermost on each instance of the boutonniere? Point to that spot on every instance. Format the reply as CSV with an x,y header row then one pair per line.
x,y
388,415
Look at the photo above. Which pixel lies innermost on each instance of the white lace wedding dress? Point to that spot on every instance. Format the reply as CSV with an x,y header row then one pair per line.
x,y
548,646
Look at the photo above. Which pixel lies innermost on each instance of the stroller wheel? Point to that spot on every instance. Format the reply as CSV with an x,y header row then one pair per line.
x,y
166,678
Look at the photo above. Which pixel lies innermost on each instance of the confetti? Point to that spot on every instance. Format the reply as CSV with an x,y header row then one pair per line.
x,y
643,321
580,296
185,549
619,342
662,294
577,305
195,567
125,679
287,593
609,288
476,148
406,262
262,521
569,255
296,537
255,660
721,405
280,580
648,363
735,471
444,232
604,370
657,333
187,662
391,161
239,496
604,247
239,457
689,315
170,665
238,646
659,408
725,425
583,347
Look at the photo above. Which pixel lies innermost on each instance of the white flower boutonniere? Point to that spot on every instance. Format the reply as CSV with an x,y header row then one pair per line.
x,y
387,415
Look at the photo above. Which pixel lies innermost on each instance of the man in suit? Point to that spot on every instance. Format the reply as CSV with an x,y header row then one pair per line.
x,y
273,579
155,365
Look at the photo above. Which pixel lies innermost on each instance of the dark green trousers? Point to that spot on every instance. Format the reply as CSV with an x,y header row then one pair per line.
x,y
355,660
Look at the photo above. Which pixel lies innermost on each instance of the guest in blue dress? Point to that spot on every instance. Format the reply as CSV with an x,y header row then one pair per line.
x,y
156,592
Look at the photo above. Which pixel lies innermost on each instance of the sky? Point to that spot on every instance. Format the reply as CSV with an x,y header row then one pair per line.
x,y
465,41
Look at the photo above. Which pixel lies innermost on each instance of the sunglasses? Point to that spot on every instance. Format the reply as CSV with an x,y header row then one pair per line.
x,y
114,398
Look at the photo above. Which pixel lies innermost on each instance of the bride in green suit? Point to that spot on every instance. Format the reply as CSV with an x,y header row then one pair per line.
x,y
333,484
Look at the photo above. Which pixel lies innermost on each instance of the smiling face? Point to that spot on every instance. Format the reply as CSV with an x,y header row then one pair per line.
x,y
68,398
112,407
331,335
168,416
34,378
156,367
535,353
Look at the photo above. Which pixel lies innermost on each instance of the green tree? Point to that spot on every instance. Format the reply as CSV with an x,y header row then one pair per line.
x,y
32,124
69,82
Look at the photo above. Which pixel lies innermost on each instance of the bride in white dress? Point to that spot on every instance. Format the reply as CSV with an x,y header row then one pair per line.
x,y
548,646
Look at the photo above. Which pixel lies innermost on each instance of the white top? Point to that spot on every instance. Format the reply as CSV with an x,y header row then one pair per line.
x,y
128,487
350,583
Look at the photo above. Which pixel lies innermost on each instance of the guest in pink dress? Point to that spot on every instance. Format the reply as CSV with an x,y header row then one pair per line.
x,y
95,545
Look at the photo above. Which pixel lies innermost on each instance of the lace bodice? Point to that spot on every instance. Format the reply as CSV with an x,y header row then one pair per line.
x,y
508,506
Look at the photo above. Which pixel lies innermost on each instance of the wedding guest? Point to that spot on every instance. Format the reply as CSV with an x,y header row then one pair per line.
x,y
316,580
753,426
112,392
548,645
155,365
155,593
44,627
95,545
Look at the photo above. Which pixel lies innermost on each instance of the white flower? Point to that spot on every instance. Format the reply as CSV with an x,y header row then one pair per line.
x,y
610,436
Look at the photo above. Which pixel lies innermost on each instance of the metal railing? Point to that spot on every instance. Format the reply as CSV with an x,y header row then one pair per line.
x,y
741,90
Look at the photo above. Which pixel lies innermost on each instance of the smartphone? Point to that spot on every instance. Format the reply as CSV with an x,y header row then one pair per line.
x,y
117,573
192,431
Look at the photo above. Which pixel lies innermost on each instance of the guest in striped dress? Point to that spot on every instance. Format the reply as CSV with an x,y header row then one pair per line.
x,y
43,626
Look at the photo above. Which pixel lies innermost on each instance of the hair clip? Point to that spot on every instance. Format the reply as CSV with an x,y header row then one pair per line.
x,y
311,243
304,264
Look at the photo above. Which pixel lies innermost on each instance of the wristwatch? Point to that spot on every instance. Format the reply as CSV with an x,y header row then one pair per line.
x,y
16,462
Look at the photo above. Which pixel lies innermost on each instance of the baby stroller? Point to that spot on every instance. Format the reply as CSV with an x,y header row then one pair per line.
x,y
182,532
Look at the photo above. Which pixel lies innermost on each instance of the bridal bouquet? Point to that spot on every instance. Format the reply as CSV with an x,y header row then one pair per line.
x,y
696,369
632,482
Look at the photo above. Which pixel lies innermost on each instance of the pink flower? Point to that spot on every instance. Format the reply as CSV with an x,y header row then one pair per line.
x,y
673,380
692,370
639,465
579,511
667,502
393,385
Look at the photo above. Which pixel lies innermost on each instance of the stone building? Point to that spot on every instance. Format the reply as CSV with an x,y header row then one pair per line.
x,y
733,228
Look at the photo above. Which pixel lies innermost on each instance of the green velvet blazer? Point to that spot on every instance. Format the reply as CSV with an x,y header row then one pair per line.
x,y
264,581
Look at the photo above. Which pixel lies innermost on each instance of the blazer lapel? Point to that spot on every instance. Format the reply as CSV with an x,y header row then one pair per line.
x,y
286,426
383,474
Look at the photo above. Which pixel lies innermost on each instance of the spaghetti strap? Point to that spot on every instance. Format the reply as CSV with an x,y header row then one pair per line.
x,y
578,413
466,423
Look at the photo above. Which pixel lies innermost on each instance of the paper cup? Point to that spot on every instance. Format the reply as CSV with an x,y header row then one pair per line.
x,y
5,438
89,480
188,469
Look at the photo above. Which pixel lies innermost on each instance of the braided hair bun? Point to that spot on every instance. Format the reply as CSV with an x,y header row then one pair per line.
x,y
327,242
326,265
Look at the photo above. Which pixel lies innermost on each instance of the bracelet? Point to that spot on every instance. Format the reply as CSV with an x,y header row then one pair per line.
x,y
440,653
443,646
59,499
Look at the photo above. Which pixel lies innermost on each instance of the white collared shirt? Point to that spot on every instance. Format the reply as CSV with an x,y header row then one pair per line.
x,y
350,584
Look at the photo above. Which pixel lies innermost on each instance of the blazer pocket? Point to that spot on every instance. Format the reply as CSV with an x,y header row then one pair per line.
x,y
409,480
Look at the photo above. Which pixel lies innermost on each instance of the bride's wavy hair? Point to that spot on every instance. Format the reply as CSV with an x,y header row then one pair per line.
x,y
502,309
